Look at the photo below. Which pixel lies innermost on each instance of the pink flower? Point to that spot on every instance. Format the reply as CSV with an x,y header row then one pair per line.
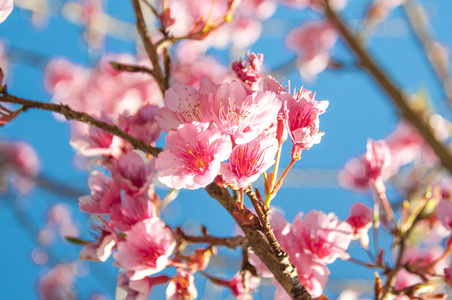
x,y
302,114
103,246
104,194
20,165
142,125
240,291
132,174
323,236
139,289
312,42
448,276
181,286
360,219
185,104
248,161
249,70
192,156
242,113
377,159
146,248
96,142
58,283
132,210
6,7
444,212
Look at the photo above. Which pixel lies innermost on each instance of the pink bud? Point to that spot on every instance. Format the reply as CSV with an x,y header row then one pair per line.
x,y
448,276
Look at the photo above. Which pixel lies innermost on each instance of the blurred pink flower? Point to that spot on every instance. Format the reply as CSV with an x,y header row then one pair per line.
x,y
248,161
146,248
360,219
192,156
444,212
448,276
312,42
377,160
6,7
58,283
132,174
142,125
19,165
323,236
139,289
181,286
104,194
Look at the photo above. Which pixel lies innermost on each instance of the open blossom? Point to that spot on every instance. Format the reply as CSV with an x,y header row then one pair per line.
x,y
6,7
323,236
360,219
248,161
146,248
242,113
104,194
192,156
185,104
132,174
302,114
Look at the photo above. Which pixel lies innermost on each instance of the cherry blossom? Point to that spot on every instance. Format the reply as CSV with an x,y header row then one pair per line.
x,y
323,236
242,113
181,286
312,42
131,210
360,219
448,276
103,246
104,194
185,104
249,70
146,248
132,174
302,114
192,156
248,161
139,289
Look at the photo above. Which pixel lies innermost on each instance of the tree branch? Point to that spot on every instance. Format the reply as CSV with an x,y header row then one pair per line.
x,y
398,99
70,114
151,49
419,24
288,280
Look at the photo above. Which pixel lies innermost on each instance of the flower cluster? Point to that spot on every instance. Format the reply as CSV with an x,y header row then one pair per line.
x,y
233,122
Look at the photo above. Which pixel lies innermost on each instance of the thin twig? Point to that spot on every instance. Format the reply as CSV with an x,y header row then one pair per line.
x,y
289,281
438,62
71,114
399,100
151,49
229,242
